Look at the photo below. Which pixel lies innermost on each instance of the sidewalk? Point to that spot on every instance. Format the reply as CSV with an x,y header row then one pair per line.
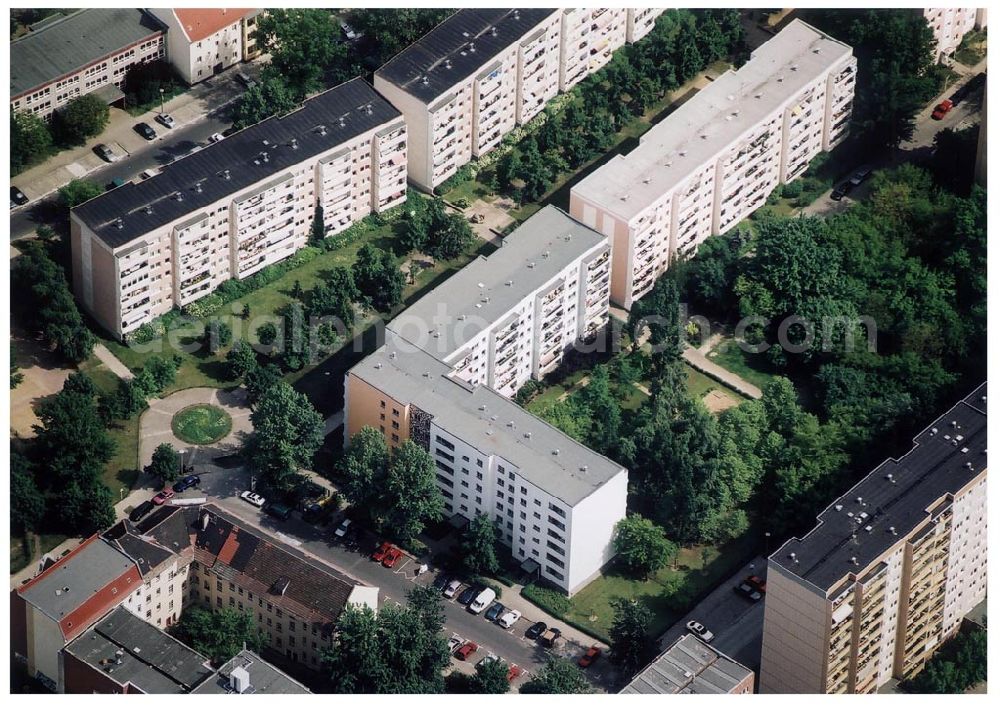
x,y
77,162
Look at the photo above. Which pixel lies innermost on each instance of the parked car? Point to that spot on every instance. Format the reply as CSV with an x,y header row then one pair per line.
x,y
758,582
490,658
245,80
588,658
186,482
840,191
454,642
513,672
144,129
216,137
253,498
550,637
700,631
483,599
509,619
942,109
162,496
17,197
381,551
747,590
469,594
536,630
167,120
861,175
105,153
392,556
341,531
452,588
278,510
441,581
495,610
350,34
147,174
114,183
463,652
141,511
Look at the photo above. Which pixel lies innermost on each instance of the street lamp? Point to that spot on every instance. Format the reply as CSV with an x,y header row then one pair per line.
x,y
161,101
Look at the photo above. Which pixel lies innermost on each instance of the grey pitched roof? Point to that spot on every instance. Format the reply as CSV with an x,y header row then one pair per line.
x,y
70,43
544,455
265,679
457,48
937,465
151,660
486,289
689,665
235,163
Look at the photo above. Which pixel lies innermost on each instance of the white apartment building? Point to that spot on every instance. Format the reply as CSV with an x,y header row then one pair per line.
x,y
236,206
87,51
715,159
590,36
201,42
554,502
889,571
510,317
640,22
950,24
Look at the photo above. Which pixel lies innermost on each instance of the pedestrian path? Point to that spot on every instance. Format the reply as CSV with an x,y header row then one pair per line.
x,y
112,362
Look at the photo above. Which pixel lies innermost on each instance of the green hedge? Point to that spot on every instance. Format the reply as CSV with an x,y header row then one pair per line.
x,y
553,602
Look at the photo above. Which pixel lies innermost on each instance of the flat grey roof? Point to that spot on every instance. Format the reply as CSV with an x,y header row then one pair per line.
x,y
265,679
457,48
937,465
486,290
65,587
689,665
488,421
152,660
315,128
70,43
712,120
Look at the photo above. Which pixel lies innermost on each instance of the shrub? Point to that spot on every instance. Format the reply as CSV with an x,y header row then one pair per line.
x,y
793,189
555,603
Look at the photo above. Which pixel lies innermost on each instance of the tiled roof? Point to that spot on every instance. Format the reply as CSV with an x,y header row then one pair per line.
x,y
200,23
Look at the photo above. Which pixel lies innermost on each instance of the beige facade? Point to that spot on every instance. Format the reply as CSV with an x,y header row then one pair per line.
x,y
889,572
713,161
589,38
203,42
950,24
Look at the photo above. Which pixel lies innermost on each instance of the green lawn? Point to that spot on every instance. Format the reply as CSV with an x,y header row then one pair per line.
x,y
201,424
122,470
750,366
699,385
972,49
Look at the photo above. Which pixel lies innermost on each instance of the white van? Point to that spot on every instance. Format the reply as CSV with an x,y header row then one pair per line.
x,y
482,601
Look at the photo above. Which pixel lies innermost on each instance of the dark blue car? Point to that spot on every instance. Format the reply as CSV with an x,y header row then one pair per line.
x,y
186,482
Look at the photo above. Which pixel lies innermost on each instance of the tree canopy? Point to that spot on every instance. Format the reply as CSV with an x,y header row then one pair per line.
x,y
287,433
219,634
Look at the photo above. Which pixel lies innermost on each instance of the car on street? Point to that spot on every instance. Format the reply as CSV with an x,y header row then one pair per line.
x,y
536,630
341,531
840,191
350,34
147,174
391,557
509,619
141,511
162,496
463,652
144,129
245,80
17,197
106,153
700,631
441,581
186,482
860,176
748,591
114,183
513,672
469,594
381,551
549,637
759,584
452,588
588,658
490,658
253,498
483,599
279,511
216,137
166,120
495,610
942,109
454,642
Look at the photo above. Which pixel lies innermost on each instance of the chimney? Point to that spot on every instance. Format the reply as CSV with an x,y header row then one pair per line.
x,y
239,680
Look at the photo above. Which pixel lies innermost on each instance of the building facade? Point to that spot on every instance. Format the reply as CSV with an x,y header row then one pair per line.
x,y
888,572
203,42
950,24
690,666
715,159
88,51
589,38
231,209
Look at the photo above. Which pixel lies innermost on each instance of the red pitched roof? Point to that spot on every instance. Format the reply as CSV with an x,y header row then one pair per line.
x,y
201,23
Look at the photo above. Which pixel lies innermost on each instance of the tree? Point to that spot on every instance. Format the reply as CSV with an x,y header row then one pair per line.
x,y
30,140
479,550
241,360
79,191
557,676
363,469
80,119
491,678
86,505
304,45
287,433
378,277
631,645
162,372
641,545
318,231
220,635
218,335
268,98
26,501
386,32
166,464
411,495
427,602
259,380
449,237
70,436
267,333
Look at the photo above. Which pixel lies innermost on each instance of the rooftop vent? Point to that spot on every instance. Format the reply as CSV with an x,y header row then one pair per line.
x,y
392,355
447,63
838,507
493,31
341,121
493,417
647,179
889,478
583,468
239,679
854,560
934,431
472,48
197,187
178,196
427,375
226,175
509,282
482,407
892,530
423,79
148,210
792,555
968,464
527,434
965,450
119,223
868,528
815,50
795,67
293,143
265,142
860,500
321,129
378,365
555,451
531,265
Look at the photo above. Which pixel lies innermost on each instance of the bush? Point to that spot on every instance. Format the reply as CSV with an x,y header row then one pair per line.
x,y
792,190
555,603
82,118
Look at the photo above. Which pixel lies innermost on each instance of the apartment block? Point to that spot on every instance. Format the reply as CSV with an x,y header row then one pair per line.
x,y
88,51
202,42
510,317
248,674
554,502
640,22
950,24
690,666
468,82
715,159
888,572
236,206
589,37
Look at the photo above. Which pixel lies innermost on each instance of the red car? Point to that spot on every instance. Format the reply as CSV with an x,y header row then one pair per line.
x,y
587,660
163,496
942,109
513,673
466,650
391,557
381,551
758,583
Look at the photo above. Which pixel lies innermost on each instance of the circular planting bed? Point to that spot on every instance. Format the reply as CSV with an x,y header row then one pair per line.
x,y
201,424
